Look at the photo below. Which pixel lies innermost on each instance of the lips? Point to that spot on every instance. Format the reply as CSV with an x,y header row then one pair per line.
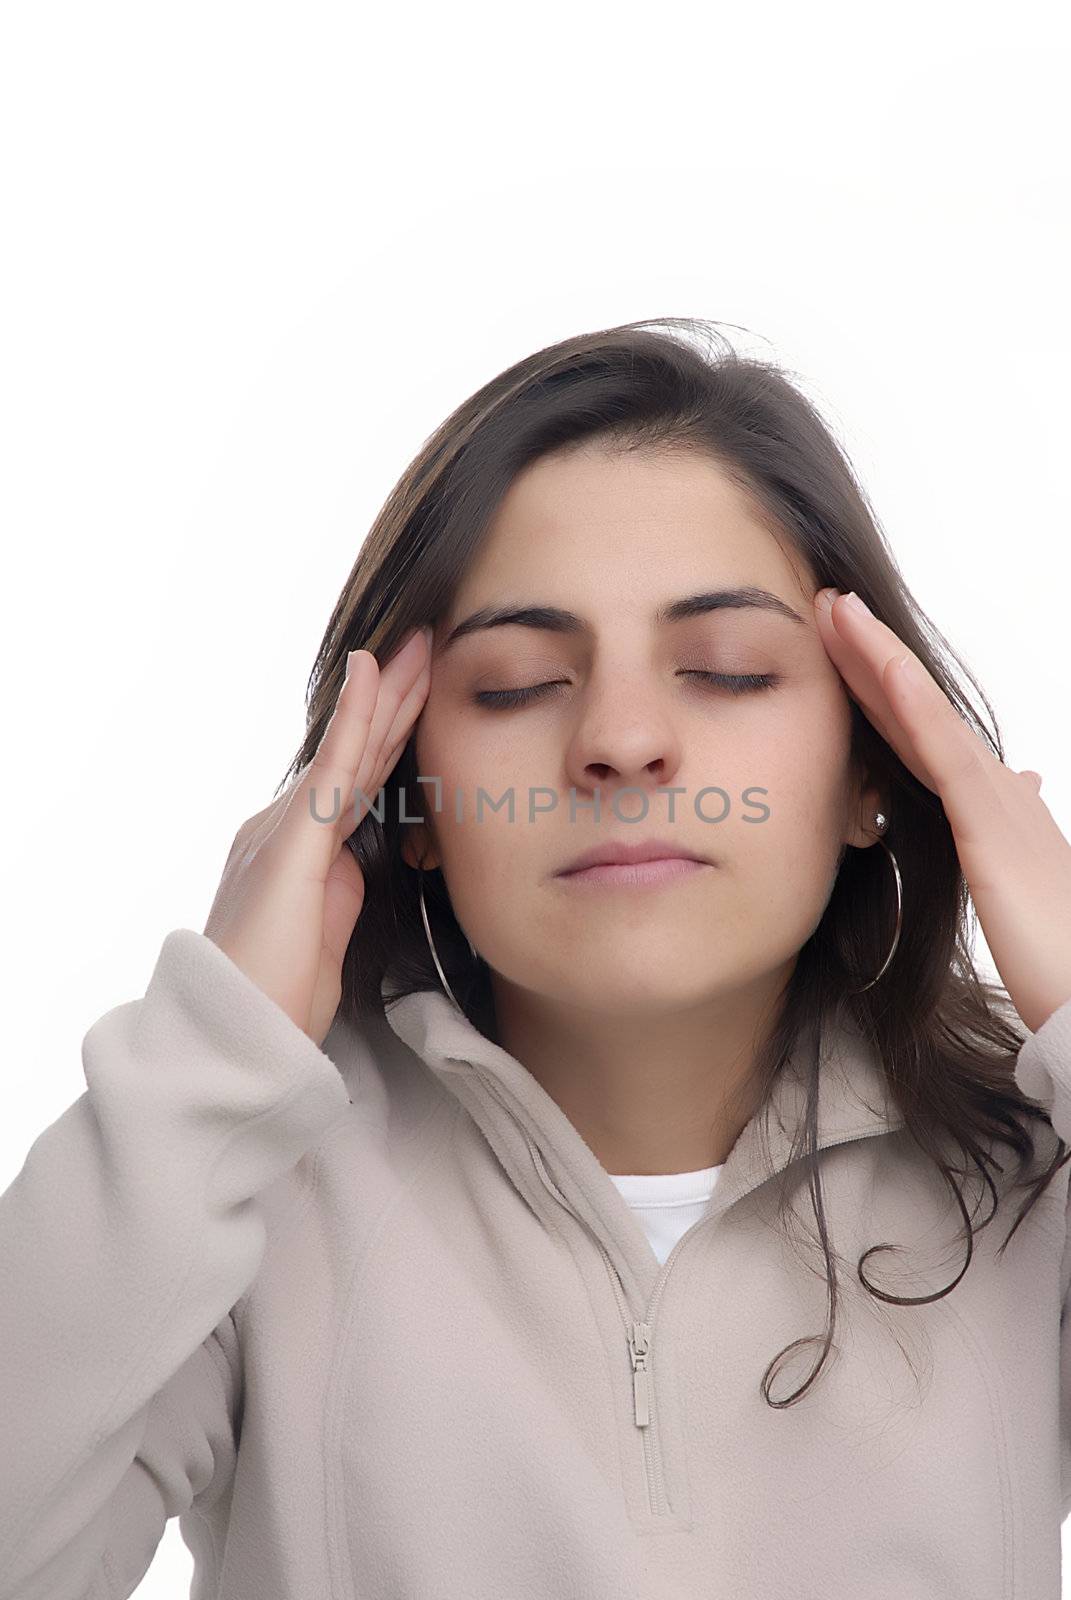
x,y
617,853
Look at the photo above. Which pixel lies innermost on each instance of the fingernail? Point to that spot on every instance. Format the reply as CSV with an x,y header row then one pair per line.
x,y
826,597
909,671
860,606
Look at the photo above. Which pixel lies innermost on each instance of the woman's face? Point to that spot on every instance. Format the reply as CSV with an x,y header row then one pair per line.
x,y
614,539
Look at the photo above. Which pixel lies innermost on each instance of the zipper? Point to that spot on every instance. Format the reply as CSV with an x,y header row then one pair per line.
x,y
639,1336
639,1331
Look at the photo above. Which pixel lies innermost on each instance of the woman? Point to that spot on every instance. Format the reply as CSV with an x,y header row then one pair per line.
x,y
456,1218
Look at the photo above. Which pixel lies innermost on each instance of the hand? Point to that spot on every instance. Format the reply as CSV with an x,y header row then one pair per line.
x,y
290,894
1016,861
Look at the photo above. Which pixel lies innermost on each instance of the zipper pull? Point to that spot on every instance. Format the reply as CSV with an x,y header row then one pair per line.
x,y
639,1344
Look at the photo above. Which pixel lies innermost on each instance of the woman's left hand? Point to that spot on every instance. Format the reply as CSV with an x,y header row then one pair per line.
x,y
1016,861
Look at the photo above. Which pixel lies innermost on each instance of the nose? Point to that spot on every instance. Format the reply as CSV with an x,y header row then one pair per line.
x,y
625,737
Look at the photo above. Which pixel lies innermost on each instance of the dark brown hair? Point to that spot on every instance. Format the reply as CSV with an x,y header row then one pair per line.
x,y
946,1038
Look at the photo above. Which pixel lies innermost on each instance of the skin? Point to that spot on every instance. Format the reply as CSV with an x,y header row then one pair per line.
x,y
639,1010
1014,858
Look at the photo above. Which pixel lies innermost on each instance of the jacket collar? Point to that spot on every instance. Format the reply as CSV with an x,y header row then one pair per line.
x,y
525,1125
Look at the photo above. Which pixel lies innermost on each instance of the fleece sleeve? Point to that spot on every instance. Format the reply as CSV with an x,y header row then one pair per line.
x,y
126,1239
1043,1071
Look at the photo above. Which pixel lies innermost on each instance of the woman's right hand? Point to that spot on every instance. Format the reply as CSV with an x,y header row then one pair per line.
x,y
290,894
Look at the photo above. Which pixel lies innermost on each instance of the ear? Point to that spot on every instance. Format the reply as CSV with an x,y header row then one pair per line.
x,y
870,802
417,848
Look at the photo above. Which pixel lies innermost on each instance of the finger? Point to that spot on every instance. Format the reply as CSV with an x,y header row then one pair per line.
x,y
863,679
963,771
401,730
397,678
256,830
409,708
347,755
386,741
408,715
404,723
399,694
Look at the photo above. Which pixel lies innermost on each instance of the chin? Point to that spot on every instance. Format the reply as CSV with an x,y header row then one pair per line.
x,y
638,988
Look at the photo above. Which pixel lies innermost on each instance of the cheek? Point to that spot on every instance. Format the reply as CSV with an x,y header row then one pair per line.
x,y
471,752
802,764
826,772
476,850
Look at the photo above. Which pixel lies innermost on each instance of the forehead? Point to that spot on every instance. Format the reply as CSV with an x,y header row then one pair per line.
x,y
600,530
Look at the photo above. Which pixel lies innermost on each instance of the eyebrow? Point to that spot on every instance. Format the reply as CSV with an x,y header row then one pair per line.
x,y
552,619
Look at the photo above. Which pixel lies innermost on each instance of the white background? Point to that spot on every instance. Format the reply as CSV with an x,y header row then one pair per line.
x,y
254,253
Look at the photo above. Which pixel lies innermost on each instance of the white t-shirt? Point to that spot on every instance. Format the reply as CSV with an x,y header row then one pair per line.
x,y
667,1203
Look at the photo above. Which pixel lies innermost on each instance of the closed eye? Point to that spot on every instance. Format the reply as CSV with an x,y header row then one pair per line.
x,y
734,683
507,698
737,683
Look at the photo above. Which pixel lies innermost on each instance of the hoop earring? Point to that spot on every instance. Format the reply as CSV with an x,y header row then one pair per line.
x,y
434,952
880,822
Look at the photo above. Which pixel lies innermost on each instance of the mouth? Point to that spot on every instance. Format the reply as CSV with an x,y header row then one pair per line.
x,y
651,873
649,852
